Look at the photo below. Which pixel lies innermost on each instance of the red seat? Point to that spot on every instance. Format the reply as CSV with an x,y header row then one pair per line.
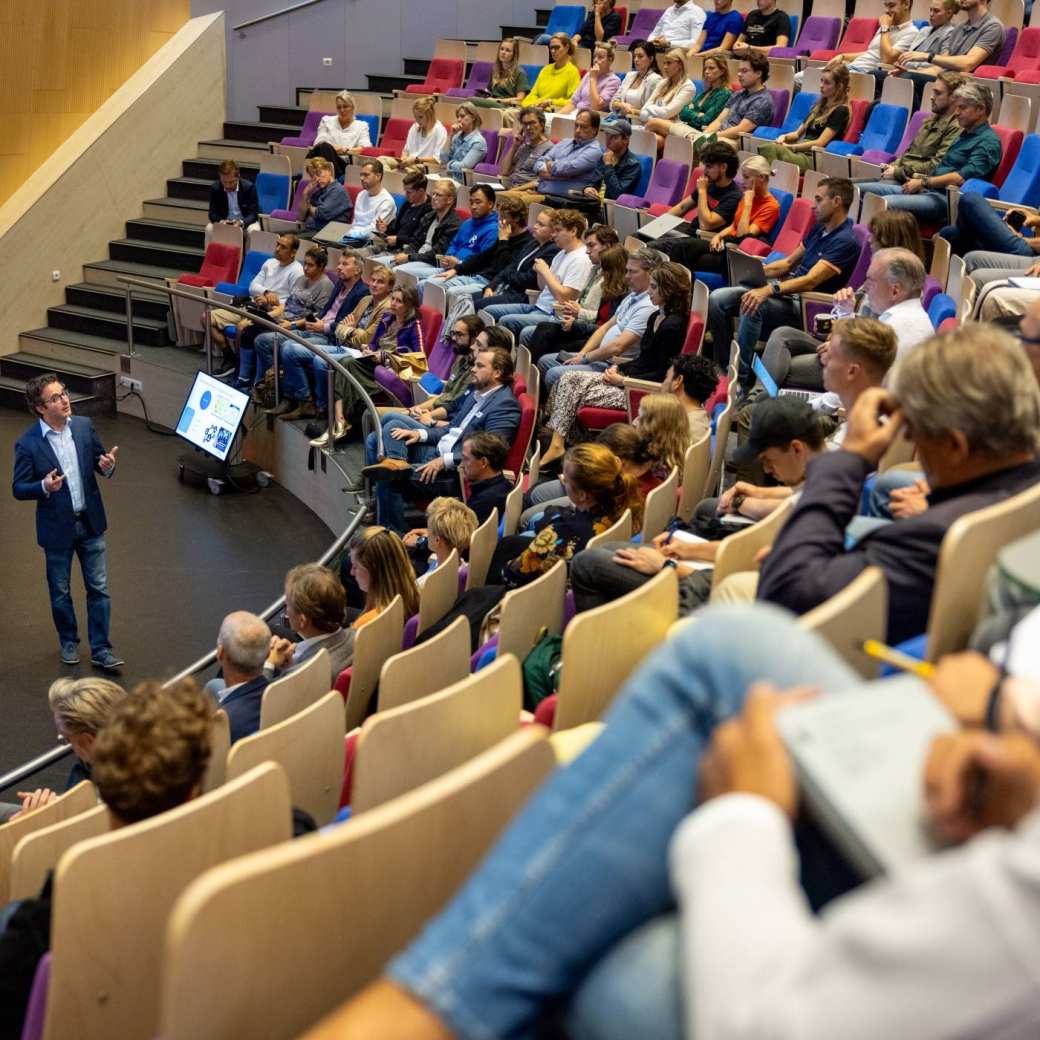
x,y
522,440
858,34
860,109
444,74
395,133
622,12
220,264
353,190
462,214
1024,58
1010,146
800,218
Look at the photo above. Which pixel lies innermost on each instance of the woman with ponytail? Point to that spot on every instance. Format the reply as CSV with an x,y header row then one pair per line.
x,y
598,492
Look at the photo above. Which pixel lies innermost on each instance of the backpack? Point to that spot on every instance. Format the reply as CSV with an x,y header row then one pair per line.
x,y
542,668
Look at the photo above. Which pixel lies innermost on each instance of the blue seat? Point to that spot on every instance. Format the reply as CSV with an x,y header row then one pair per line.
x,y
941,308
567,18
532,73
398,199
647,166
882,133
1022,184
255,259
796,115
273,190
373,126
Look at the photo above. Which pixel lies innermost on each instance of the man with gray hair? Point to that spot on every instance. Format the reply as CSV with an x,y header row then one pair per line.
x,y
242,648
944,398
974,155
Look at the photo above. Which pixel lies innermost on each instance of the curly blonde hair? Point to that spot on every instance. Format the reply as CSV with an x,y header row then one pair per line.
x,y
663,422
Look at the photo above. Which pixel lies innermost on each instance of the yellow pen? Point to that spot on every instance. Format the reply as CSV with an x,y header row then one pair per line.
x,y
904,662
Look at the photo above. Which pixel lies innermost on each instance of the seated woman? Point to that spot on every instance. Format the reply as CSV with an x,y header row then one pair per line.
x,y
704,107
508,85
596,305
467,146
673,93
450,524
380,568
662,341
598,490
426,139
639,84
598,86
756,215
340,135
558,80
827,121
397,340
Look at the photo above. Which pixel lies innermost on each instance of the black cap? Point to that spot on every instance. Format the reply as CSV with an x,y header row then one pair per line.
x,y
774,424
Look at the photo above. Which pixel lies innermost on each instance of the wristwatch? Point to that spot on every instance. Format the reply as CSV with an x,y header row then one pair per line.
x,y
672,564
774,284
885,29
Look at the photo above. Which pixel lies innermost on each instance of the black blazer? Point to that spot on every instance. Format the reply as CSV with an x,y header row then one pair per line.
x,y
243,708
248,202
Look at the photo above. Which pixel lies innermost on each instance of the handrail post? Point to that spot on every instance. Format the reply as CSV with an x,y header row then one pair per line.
x,y
274,360
130,320
330,390
208,333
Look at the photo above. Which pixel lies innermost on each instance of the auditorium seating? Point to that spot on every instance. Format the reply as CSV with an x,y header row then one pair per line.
x,y
818,34
442,76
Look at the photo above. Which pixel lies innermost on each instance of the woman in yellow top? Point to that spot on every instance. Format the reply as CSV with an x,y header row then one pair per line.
x,y
556,82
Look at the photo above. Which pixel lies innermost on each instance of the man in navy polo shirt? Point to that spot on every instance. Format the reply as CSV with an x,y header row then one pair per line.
x,y
824,262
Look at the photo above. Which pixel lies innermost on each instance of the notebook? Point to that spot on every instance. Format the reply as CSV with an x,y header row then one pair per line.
x,y
860,757
745,269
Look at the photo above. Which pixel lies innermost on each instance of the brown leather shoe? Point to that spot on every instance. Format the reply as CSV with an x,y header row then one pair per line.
x,y
388,469
303,410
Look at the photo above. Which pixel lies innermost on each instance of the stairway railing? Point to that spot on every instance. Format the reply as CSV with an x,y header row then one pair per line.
x,y
274,14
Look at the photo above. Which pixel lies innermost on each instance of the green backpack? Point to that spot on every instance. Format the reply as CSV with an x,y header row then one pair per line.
x,y
542,670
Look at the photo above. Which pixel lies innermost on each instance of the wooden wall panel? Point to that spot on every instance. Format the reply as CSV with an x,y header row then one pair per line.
x,y
60,60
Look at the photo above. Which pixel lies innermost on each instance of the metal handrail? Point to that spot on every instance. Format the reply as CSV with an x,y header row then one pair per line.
x,y
56,754
273,14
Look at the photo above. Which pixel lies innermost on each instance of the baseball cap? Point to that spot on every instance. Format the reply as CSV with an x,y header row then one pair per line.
x,y
618,126
774,424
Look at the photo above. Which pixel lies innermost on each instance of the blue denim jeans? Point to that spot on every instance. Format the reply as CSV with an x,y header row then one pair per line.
x,y
724,305
925,205
297,365
391,494
90,549
263,347
980,227
319,369
423,272
585,862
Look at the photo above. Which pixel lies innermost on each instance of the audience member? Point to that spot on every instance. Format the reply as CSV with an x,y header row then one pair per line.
x,y
673,92
822,263
483,459
508,84
558,80
598,86
755,216
427,138
340,135
439,234
858,355
638,85
327,202
932,39
380,567
571,164
713,206
409,225
721,29
747,109
450,524
374,207
232,200
981,228
601,23
420,459
243,644
680,25
618,171
517,170
693,378
466,146
827,120
764,28
703,107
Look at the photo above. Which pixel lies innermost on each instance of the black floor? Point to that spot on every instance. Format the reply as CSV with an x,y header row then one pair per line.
x,y
179,559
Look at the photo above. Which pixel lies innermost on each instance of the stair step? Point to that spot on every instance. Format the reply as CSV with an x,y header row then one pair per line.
x,y
80,341
260,132
107,272
208,170
184,211
524,32
195,188
104,323
88,385
182,258
170,232
289,116
388,84
228,148
12,395
103,298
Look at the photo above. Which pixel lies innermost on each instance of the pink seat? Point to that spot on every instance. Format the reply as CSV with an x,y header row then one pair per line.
x,y
800,218
522,440
395,133
220,264
1010,146
442,75
858,34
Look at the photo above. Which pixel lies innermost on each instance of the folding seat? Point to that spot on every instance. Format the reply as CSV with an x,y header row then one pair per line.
x,y
273,191
795,116
250,269
565,18
858,34
666,186
1021,184
479,78
818,33
395,133
442,75
941,308
293,212
800,218
881,134
220,264
645,20
308,132
781,102
1025,57
881,157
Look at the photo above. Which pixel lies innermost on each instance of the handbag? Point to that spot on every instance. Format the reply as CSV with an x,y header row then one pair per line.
x,y
410,366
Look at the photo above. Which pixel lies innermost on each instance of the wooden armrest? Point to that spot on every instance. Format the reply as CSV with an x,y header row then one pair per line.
x,y
642,384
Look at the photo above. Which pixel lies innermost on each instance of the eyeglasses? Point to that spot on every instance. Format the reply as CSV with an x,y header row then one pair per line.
x,y
55,398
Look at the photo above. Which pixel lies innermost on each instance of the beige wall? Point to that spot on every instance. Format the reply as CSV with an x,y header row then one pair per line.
x,y
97,179
60,60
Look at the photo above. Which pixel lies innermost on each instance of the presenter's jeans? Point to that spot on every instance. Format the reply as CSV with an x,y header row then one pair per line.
x,y
90,549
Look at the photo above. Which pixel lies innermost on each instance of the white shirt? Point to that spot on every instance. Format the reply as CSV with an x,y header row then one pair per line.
x,y
417,143
662,107
948,947
637,94
900,36
64,447
275,277
570,269
680,26
355,135
912,325
370,208
632,315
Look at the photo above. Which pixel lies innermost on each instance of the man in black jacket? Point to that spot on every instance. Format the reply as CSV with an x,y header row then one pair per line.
x,y
409,227
483,457
232,200
437,234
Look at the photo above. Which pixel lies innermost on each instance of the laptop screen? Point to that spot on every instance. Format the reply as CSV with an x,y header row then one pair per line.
x,y
760,370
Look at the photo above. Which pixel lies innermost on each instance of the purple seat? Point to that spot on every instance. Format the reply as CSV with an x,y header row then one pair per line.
x,y
645,20
818,34
491,136
666,186
880,158
781,99
441,359
392,383
479,78
411,630
1010,39
293,212
35,1013
859,272
931,290
308,131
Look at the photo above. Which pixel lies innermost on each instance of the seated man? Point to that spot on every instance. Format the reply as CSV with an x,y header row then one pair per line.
x,y
233,200
242,648
373,207
436,450
571,165
998,300
933,38
981,228
765,27
721,29
450,524
620,335
693,378
408,228
747,108
483,459
437,234
328,201
894,283
601,23
276,276
975,154
618,171
680,25
475,235
517,169
562,280
824,262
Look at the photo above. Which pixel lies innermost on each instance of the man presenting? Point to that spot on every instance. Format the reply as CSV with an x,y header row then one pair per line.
x,y
54,462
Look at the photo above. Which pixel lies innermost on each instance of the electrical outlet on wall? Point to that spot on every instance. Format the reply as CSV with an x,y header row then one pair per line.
x,y
55,276
327,62
131,384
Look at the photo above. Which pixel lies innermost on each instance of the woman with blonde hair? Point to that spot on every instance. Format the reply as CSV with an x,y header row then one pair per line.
x,y
673,93
450,524
467,146
559,79
703,109
340,135
508,84
426,138
662,421
599,85
827,121
896,229
380,566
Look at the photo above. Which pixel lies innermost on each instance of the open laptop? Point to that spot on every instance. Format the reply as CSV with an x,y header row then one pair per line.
x,y
769,383
745,269
661,225
332,234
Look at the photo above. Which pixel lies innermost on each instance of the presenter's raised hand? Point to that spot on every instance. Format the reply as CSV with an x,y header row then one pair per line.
x,y
107,460
53,481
